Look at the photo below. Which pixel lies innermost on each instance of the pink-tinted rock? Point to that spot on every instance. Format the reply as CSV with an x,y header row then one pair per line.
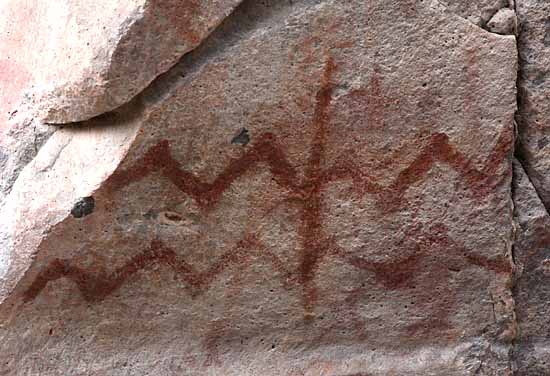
x,y
319,189
63,61
19,71
503,22
86,58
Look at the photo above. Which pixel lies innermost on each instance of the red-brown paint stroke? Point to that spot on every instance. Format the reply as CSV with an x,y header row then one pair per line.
x,y
375,101
315,245
97,286
401,274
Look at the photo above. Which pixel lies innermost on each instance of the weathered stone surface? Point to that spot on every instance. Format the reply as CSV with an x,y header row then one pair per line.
x,y
532,195
532,288
20,135
89,57
321,188
534,93
478,12
63,61
19,143
503,22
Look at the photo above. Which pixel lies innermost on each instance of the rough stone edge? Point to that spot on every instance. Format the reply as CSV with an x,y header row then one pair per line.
x,y
484,22
166,83
229,32
109,99
28,112
521,163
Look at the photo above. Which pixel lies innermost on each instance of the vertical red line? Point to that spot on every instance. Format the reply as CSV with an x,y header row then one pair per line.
x,y
311,221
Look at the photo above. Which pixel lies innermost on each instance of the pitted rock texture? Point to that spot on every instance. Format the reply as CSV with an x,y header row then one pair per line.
x,y
532,195
503,22
531,288
478,12
534,93
65,61
364,227
84,58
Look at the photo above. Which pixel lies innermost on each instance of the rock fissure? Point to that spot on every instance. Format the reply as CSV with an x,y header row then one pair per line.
x,y
300,194
494,16
514,340
531,197
522,161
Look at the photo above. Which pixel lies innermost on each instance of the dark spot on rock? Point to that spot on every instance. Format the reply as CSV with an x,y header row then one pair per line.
x,y
542,142
173,217
83,207
3,157
540,78
546,39
150,214
242,138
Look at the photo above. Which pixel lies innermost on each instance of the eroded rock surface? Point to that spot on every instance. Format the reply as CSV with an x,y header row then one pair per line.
x,y
532,288
532,195
321,188
478,12
503,22
65,61
89,57
534,93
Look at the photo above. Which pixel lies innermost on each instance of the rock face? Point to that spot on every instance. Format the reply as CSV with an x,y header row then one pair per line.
x,y
532,257
534,93
532,195
478,12
503,22
318,188
89,57
65,61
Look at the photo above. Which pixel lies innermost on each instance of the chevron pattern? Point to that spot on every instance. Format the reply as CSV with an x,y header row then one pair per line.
x,y
315,245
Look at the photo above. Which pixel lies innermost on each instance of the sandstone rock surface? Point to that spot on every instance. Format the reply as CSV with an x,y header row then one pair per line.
x,y
532,195
478,12
65,61
503,22
531,290
534,93
89,57
321,188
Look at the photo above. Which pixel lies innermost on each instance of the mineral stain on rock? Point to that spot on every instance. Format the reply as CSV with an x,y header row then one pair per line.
x,y
342,239
317,246
83,207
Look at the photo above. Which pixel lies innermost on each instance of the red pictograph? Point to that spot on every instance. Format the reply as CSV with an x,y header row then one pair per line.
x,y
315,245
